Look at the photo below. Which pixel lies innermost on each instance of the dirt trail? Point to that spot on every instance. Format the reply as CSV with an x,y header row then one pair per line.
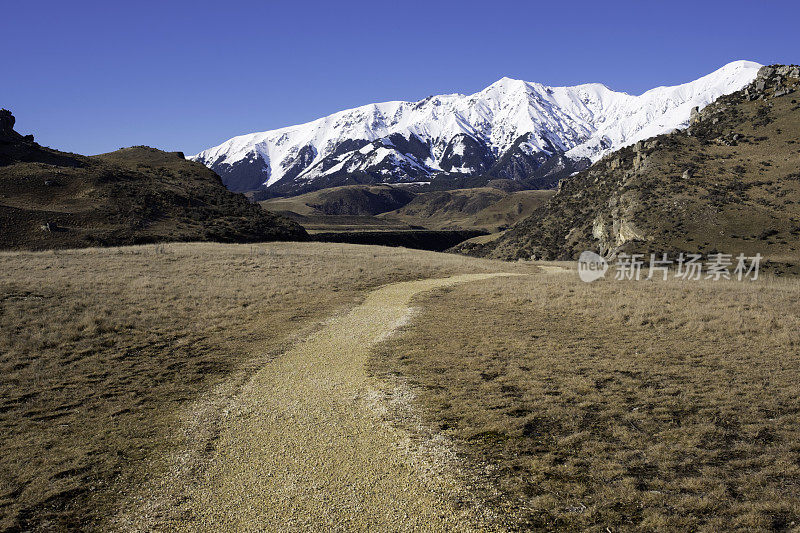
x,y
555,269
303,450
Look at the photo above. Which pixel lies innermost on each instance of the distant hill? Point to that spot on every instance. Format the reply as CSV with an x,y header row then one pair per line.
x,y
485,208
52,199
402,207
730,183
349,200
346,208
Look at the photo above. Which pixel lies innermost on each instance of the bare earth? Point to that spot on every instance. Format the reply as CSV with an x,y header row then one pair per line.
x,y
303,449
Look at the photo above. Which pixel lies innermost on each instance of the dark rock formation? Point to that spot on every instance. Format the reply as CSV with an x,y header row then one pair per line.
x,y
7,121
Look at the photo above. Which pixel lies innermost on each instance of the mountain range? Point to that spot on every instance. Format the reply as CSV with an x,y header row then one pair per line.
x,y
513,129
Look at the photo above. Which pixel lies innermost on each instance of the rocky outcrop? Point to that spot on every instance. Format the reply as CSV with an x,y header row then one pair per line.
x,y
694,115
7,121
18,148
617,226
7,133
774,81
718,122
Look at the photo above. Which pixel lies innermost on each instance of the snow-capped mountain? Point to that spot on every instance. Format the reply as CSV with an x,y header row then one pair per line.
x,y
512,129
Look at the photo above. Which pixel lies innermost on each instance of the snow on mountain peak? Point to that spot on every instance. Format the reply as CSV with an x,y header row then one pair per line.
x,y
584,121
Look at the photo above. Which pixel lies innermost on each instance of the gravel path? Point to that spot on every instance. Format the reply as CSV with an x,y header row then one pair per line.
x,y
302,449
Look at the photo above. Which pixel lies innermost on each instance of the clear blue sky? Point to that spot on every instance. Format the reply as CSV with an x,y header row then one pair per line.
x,y
91,77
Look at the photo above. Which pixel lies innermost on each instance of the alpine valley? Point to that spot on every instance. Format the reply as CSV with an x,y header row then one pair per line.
x,y
379,321
512,130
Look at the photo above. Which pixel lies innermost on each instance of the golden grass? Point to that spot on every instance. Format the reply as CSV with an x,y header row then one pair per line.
x,y
102,350
649,406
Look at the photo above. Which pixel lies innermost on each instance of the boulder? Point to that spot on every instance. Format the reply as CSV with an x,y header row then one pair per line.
x,y
694,115
765,72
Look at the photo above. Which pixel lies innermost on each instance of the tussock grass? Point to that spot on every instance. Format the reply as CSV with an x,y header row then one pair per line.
x,y
649,406
102,350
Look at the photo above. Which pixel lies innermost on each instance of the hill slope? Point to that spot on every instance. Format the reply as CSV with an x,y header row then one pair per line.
x,y
483,208
52,199
730,183
509,130
350,200
399,207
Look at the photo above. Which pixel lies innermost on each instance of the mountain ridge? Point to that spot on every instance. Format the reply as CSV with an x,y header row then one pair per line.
x,y
521,124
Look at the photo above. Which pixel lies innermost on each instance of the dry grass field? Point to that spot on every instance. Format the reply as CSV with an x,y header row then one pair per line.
x,y
613,406
102,350
649,406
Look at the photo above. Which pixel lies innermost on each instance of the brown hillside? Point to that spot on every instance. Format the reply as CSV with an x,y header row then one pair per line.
x,y
485,208
348,200
729,183
51,199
